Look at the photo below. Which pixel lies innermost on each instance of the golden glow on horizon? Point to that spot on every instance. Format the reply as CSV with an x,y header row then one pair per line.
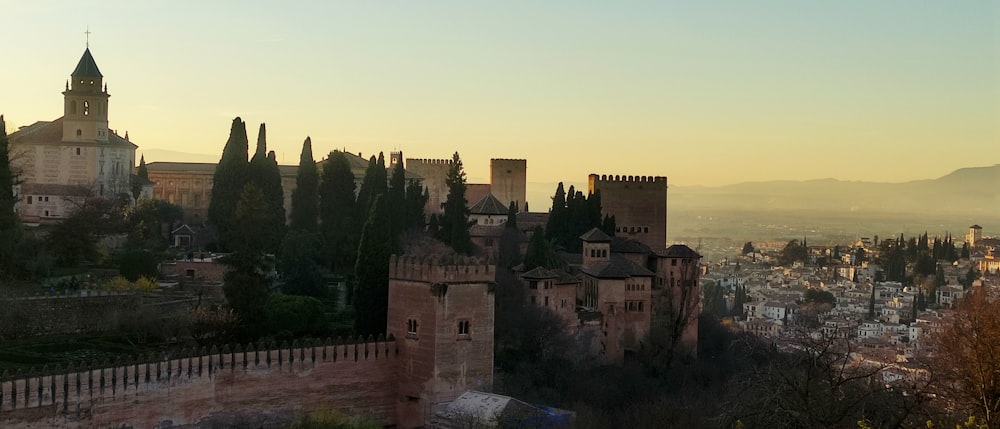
x,y
703,94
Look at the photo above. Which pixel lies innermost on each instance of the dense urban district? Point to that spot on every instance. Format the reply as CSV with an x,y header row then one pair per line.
x,y
355,292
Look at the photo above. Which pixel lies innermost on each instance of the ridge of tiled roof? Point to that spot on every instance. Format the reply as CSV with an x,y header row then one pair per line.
x,y
488,205
540,273
595,235
619,267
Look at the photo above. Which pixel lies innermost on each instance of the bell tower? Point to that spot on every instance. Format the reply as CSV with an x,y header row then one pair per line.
x,y
85,103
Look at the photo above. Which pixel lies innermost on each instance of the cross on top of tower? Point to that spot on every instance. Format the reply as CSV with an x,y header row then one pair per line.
x,y
88,36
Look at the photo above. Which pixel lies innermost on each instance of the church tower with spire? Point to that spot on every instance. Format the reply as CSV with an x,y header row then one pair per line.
x,y
85,110
74,157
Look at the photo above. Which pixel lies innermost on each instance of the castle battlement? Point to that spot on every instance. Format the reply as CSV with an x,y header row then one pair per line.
x,y
79,386
441,269
509,159
429,161
609,178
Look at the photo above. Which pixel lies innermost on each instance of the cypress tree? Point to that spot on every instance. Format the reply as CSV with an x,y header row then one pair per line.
x,y
337,214
371,272
510,239
305,197
142,175
539,251
231,174
558,217
397,201
373,185
608,225
9,225
871,304
301,273
416,200
264,173
8,219
455,220
246,285
965,250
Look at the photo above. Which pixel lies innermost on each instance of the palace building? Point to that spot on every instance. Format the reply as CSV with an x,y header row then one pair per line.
x,y
65,160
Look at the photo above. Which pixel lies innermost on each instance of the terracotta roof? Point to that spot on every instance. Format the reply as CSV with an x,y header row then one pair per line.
x,y
540,273
628,245
486,230
678,251
488,205
976,227
52,132
619,267
595,235
87,66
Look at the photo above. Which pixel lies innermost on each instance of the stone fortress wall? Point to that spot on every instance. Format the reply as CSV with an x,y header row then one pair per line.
x,y
358,378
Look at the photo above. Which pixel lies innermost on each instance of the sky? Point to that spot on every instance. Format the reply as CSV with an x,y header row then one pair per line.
x,y
705,93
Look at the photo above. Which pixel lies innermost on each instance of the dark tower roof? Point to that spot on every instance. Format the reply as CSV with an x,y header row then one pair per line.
x,y
489,205
87,67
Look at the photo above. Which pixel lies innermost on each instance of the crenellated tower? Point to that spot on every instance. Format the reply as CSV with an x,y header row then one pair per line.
x,y
441,314
638,203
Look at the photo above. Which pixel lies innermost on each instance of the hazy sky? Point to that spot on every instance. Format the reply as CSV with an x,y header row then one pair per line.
x,y
706,93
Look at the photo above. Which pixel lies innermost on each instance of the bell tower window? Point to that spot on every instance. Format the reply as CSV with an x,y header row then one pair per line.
x,y
79,133
86,108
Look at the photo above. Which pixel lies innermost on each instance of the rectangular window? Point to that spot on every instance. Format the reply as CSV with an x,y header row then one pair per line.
x,y
562,304
29,199
189,273
673,262
546,301
463,327
411,328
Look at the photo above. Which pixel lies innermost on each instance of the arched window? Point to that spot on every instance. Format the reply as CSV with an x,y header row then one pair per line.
x,y
79,133
86,108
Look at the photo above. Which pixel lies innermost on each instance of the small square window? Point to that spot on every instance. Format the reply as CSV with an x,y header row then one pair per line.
x,y
463,327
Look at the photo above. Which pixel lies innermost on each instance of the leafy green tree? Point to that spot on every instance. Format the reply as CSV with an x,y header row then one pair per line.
x,y
301,272
74,240
295,316
149,221
305,197
135,264
336,213
455,220
794,252
231,174
10,228
371,273
819,296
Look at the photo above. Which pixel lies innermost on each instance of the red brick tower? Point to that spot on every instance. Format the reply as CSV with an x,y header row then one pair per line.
x,y
441,314
638,203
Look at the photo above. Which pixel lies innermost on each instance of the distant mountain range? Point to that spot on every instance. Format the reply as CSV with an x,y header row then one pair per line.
x,y
970,191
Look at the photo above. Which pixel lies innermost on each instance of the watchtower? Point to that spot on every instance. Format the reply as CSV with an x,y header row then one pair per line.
x,y
441,314
509,180
638,203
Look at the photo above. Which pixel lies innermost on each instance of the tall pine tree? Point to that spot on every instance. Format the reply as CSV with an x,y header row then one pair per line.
x,y
371,272
231,174
416,200
397,200
455,220
305,197
246,284
264,173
